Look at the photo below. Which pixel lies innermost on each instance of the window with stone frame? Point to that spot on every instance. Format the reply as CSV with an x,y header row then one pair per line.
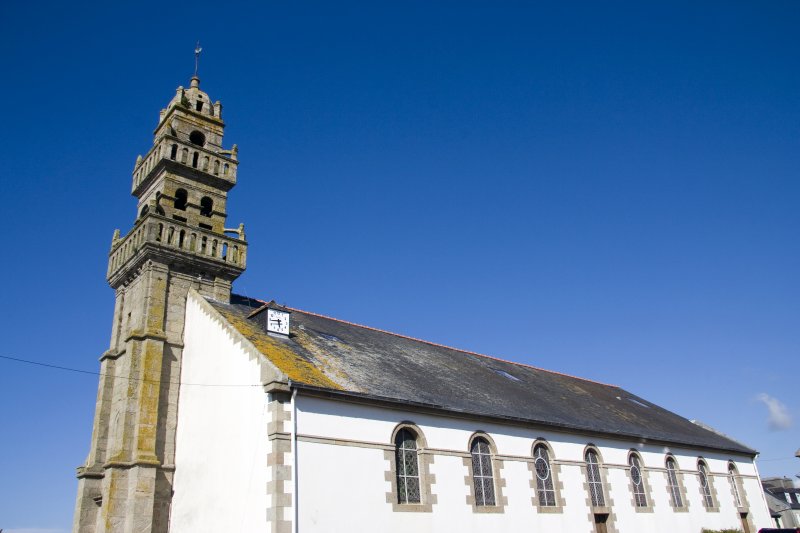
x,y
673,485
545,488
482,474
637,480
733,477
407,461
705,487
594,479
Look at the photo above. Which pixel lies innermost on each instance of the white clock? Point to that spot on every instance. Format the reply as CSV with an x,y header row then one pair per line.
x,y
277,321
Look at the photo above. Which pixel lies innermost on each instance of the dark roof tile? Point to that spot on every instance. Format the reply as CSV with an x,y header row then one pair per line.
x,y
369,362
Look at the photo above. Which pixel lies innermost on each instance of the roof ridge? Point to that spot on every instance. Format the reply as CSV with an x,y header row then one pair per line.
x,y
447,347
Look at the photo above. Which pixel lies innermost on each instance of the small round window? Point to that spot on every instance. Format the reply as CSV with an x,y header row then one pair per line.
x,y
197,138
542,468
636,475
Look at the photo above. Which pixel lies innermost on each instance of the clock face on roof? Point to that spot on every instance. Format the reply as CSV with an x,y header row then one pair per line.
x,y
278,321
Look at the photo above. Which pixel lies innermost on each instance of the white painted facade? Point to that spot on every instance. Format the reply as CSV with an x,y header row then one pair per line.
x,y
221,443
222,474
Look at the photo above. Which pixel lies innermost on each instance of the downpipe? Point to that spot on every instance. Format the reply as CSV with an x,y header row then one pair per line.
x,y
295,480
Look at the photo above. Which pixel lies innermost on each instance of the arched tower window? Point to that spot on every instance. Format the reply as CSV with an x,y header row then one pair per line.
x,y
545,490
637,480
197,137
482,476
159,209
144,211
173,152
594,479
181,198
408,490
206,206
195,157
672,483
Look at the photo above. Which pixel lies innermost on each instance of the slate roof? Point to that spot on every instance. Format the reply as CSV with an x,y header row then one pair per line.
x,y
332,355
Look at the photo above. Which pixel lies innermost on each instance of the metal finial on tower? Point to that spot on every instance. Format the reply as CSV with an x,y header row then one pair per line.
x,y
197,51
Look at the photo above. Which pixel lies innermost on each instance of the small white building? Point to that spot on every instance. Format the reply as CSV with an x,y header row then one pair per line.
x,y
291,421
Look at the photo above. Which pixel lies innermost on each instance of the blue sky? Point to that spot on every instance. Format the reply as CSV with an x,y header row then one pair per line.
x,y
608,190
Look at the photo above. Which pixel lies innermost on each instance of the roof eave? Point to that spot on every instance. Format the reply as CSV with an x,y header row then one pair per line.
x,y
394,403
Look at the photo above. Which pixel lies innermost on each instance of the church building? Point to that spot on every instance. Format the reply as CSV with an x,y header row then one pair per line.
x,y
220,413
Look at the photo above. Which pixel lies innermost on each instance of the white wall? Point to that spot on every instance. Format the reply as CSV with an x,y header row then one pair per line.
x,y
222,474
221,448
342,487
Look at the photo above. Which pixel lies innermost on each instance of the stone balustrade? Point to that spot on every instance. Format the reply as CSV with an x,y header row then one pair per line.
x,y
188,154
161,231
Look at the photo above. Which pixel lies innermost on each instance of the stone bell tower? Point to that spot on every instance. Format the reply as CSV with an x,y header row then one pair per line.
x,y
178,241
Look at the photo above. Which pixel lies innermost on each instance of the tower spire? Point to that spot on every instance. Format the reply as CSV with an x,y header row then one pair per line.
x,y
197,51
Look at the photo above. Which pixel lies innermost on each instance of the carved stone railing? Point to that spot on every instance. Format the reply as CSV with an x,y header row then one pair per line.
x,y
188,154
162,232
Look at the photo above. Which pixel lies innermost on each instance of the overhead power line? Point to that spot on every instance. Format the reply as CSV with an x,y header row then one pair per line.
x,y
103,374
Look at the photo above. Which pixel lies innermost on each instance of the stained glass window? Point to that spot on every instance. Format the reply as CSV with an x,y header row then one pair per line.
x,y
594,479
544,476
672,482
636,479
407,467
735,485
482,472
708,501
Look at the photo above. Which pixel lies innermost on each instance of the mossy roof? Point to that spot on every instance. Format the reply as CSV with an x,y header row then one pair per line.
x,y
344,358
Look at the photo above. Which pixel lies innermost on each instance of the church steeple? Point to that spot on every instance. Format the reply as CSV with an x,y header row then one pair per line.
x,y
178,241
182,185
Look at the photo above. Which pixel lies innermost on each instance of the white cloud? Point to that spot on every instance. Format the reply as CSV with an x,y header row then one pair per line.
x,y
779,417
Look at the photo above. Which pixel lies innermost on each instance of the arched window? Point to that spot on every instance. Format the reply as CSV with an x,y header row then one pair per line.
x,y
194,159
216,168
545,490
181,198
737,498
184,155
174,152
206,206
144,211
197,138
637,480
482,472
702,472
594,479
407,467
672,483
